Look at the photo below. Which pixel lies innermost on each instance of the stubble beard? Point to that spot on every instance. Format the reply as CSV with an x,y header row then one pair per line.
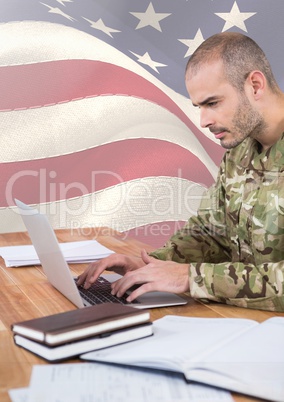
x,y
247,122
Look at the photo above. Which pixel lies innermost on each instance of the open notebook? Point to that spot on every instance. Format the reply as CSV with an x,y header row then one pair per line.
x,y
58,273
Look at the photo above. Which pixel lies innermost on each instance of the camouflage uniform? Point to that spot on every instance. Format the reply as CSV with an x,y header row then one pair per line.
x,y
235,245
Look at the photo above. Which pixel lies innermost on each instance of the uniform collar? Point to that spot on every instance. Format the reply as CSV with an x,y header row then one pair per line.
x,y
251,157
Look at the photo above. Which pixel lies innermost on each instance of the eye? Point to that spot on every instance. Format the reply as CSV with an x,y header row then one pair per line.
x,y
212,104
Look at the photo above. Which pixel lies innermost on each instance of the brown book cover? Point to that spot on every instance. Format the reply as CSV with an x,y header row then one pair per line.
x,y
82,323
67,350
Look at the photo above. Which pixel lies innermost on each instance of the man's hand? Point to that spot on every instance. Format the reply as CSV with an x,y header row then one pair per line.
x,y
116,262
155,275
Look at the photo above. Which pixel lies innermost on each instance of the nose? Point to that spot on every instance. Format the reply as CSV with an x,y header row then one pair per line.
x,y
206,118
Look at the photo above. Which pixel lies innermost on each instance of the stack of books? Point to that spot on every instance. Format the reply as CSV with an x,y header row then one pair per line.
x,y
69,334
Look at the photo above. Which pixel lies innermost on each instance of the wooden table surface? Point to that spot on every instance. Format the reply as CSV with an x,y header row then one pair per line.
x,y
25,294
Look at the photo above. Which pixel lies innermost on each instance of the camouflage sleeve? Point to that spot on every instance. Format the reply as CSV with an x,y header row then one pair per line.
x,y
204,237
203,244
238,284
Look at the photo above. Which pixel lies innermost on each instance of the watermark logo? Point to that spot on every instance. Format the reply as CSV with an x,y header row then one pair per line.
x,y
75,204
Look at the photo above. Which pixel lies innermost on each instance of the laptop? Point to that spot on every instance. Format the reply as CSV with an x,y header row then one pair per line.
x,y
59,275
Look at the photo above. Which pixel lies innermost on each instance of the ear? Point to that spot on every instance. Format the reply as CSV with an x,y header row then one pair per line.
x,y
257,82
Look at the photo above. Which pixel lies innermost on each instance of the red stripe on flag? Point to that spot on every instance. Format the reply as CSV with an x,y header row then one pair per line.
x,y
48,83
155,234
80,173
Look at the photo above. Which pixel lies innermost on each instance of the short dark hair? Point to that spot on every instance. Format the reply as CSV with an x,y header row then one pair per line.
x,y
240,56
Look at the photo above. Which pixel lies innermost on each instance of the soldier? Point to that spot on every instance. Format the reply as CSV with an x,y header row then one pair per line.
x,y
233,250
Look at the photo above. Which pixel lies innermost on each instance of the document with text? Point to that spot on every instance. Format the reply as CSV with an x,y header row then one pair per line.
x,y
97,382
237,354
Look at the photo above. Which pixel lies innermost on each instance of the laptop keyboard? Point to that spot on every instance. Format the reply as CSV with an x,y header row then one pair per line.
x,y
100,292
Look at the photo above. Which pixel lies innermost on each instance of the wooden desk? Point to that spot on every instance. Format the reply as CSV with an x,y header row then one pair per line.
x,y
25,294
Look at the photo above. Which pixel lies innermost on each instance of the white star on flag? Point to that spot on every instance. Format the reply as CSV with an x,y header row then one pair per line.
x,y
150,18
146,59
62,2
100,25
56,10
235,18
192,43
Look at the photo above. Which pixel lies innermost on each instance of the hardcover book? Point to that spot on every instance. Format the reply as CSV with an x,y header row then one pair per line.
x,y
72,349
73,325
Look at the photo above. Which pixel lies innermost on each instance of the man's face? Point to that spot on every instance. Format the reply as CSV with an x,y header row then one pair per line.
x,y
226,111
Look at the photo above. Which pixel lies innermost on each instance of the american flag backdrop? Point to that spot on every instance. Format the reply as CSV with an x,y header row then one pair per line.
x,y
96,127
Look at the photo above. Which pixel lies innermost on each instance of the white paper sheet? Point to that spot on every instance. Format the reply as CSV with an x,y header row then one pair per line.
x,y
95,382
74,252
19,394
